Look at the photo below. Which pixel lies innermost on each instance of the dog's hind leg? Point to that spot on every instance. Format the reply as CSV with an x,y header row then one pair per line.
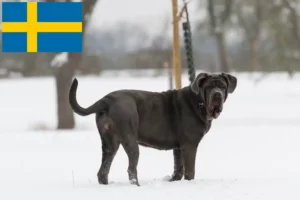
x,y
108,154
126,120
110,146
132,150
131,147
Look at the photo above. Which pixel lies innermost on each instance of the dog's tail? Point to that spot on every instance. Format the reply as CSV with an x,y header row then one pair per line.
x,y
99,106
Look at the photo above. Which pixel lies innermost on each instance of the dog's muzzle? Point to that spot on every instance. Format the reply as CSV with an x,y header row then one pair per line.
x,y
216,101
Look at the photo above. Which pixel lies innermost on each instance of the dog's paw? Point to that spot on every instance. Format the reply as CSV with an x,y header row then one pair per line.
x,y
134,182
103,180
174,177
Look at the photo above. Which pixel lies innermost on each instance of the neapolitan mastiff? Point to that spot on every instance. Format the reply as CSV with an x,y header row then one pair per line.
x,y
172,120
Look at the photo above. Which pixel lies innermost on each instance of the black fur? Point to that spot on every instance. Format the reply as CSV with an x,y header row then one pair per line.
x,y
170,120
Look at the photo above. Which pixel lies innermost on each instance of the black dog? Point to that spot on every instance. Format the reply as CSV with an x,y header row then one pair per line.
x,y
175,119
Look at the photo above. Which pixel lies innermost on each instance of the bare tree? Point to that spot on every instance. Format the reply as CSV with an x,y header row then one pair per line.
x,y
293,7
65,73
250,18
293,17
219,15
283,24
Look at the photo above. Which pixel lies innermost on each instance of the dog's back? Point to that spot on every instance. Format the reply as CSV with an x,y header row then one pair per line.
x,y
154,115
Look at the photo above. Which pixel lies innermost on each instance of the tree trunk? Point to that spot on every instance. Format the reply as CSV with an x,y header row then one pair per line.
x,y
222,52
64,112
63,79
294,21
254,56
29,64
64,74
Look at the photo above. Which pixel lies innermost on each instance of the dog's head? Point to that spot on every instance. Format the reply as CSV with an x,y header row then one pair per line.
x,y
214,89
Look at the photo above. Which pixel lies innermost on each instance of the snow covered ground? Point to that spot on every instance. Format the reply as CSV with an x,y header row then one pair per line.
x,y
252,151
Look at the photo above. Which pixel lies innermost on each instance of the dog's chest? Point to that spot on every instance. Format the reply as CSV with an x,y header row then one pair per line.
x,y
207,127
193,131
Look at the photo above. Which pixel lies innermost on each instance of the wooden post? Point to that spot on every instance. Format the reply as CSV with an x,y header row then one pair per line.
x,y
176,46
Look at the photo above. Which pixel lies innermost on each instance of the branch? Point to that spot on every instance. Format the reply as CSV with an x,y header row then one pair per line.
x,y
227,11
294,20
211,13
242,21
258,17
87,9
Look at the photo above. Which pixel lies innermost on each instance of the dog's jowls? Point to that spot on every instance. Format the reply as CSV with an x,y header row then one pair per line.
x,y
172,120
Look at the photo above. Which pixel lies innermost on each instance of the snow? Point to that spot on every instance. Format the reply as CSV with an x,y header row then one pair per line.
x,y
59,60
251,152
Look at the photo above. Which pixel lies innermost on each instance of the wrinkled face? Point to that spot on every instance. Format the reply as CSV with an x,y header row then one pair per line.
x,y
214,89
214,93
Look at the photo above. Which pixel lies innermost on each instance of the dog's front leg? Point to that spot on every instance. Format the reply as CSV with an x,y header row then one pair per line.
x,y
178,165
189,152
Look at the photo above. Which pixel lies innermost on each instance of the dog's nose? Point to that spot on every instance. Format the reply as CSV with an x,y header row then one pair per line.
x,y
218,95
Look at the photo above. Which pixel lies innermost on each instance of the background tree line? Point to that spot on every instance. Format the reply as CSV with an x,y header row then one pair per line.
x,y
234,35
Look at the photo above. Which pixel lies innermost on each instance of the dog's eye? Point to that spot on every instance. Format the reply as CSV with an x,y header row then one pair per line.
x,y
223,87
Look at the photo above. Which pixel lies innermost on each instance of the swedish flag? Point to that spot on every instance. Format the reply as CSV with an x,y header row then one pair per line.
x,y
41,26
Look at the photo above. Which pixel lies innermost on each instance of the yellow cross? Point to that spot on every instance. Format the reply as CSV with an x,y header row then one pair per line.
x,y
32,27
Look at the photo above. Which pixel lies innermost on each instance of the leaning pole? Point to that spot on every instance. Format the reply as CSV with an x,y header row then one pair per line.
x,y
176,46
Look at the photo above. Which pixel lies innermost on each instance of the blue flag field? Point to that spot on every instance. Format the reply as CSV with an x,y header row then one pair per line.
x,y
41,27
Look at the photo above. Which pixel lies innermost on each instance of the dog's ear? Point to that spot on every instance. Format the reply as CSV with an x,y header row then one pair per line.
x,y
231,81
198,82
